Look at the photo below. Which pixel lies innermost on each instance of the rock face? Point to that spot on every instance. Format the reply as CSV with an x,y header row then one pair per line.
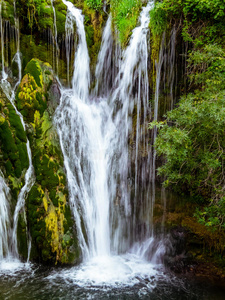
x,y
48,212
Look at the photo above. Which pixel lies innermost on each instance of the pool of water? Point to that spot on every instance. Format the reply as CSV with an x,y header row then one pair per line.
x,y
125,277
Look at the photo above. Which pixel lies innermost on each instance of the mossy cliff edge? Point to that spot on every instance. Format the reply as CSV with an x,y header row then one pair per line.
x,y
48,213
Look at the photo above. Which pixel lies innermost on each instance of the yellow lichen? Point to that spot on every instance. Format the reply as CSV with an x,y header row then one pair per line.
x,y
54,223
45,203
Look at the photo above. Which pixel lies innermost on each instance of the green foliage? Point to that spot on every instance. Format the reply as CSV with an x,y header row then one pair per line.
x,y
158,20
202,21
125,15
192,137
212,216
94,4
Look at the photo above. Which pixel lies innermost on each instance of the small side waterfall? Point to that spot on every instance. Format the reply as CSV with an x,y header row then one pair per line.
x,y
29,176
20,206
130,94
4,218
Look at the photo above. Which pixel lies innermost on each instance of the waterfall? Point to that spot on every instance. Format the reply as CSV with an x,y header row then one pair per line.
x,y
94,138
131,92
83,140
4,218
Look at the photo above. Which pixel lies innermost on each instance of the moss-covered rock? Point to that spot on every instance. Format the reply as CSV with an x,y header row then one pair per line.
x,y
48,214
31,94
13,152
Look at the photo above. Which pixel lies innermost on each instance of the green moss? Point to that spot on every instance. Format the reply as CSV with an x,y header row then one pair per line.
x,y
22,237
8,11
61,11
45,19
15,121
34,68
8,167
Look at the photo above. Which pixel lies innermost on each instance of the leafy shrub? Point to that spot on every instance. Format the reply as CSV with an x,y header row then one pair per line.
x,y
192,140
94,4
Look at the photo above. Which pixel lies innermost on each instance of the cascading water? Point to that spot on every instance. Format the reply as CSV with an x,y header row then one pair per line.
x,y
94,136
80,126
103,71
4,218
131,93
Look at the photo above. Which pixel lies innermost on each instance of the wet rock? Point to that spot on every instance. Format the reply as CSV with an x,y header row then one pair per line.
x,y
54,96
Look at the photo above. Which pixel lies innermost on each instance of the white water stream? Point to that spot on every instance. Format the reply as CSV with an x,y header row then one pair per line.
x,y
4,218
94,137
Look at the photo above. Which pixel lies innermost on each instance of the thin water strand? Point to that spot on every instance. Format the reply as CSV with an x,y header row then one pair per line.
x,y
56,49
103,71
4,217
4,75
